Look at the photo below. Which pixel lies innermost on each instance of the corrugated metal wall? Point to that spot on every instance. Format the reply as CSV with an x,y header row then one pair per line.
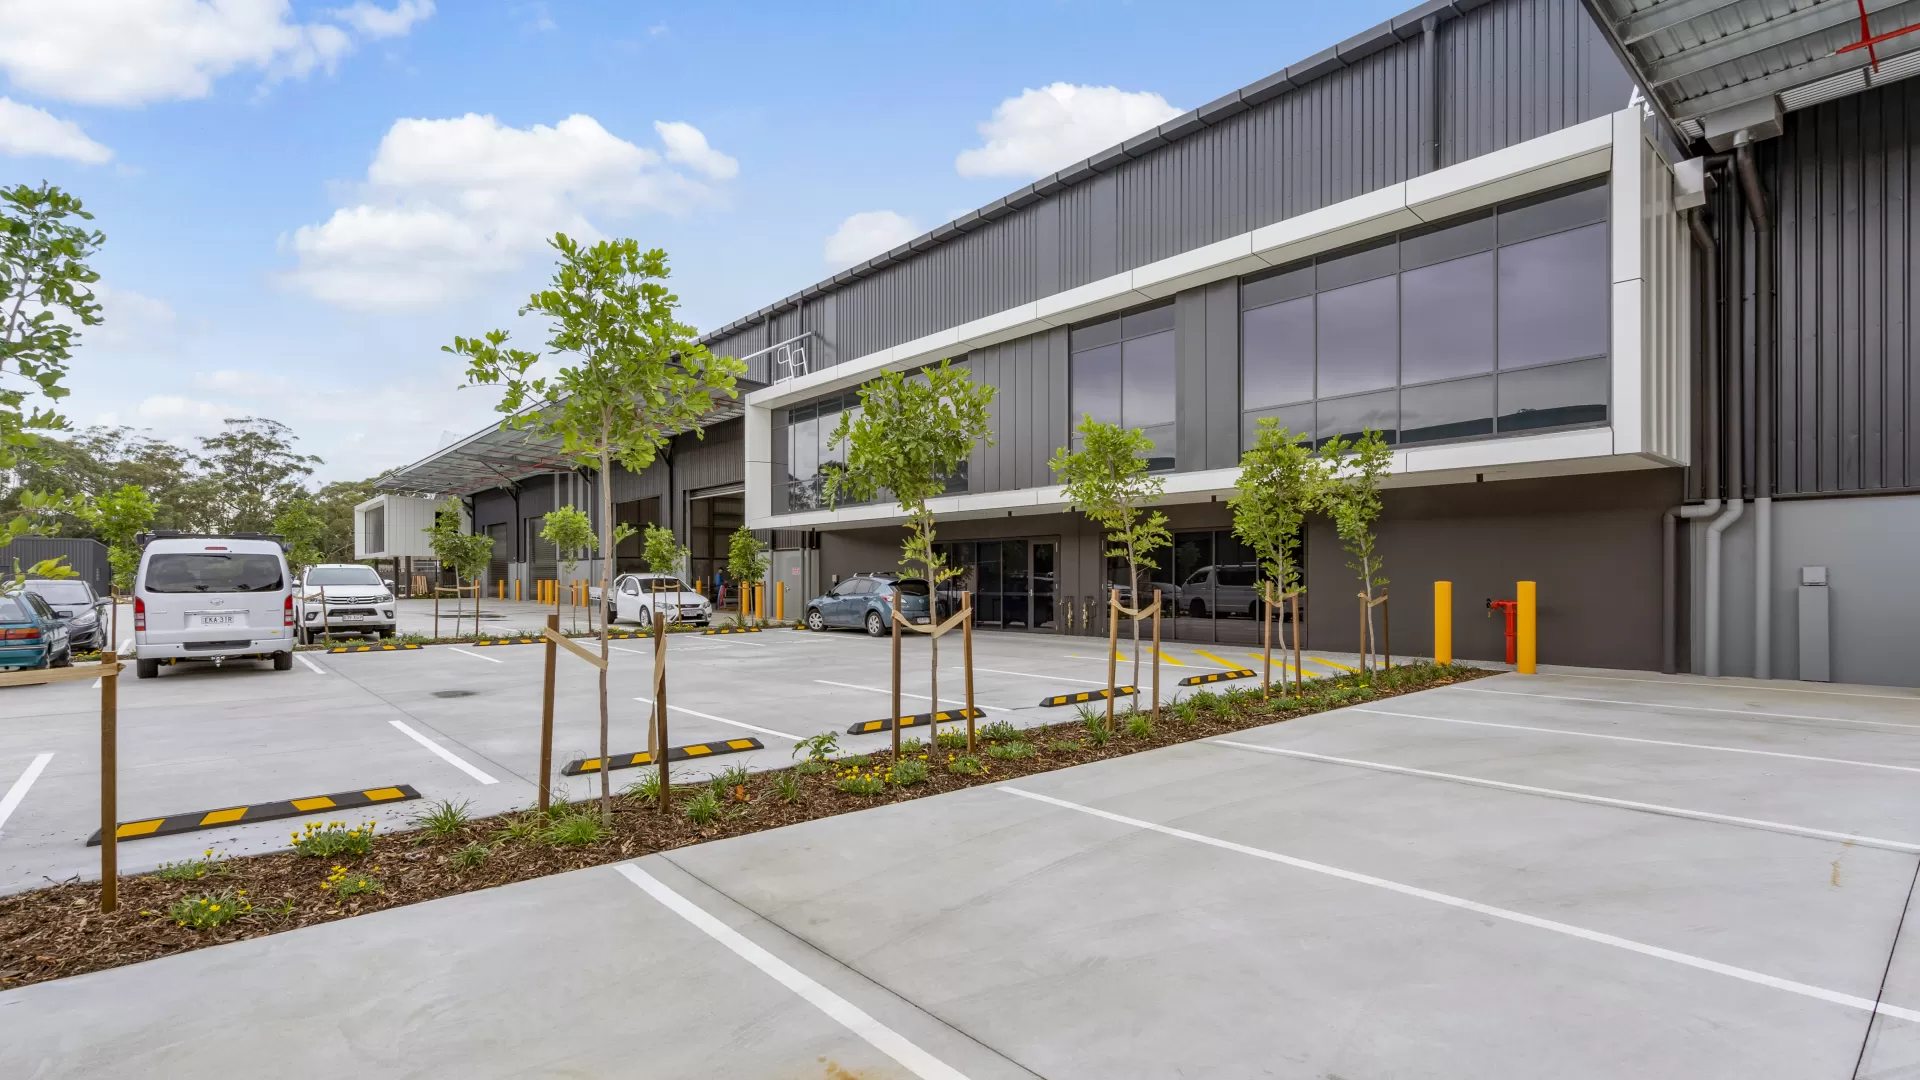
x,y
1029,377
1509,71
88,558
698,464
1846,181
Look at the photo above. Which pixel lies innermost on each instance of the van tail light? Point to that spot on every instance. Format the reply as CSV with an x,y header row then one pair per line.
x,y
31,633
139,614
287,608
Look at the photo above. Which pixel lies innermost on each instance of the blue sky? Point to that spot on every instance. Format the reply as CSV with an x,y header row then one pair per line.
x,y
304,201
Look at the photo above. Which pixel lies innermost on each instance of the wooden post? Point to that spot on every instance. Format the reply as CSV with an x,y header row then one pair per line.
x,y
546,719
1266,637
966,640
1386,628
1298,673
1365,656
893,720
659,747
1113,648
109,781
1156,656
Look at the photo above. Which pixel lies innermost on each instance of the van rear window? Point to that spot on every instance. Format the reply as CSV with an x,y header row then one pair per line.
x,y
213,572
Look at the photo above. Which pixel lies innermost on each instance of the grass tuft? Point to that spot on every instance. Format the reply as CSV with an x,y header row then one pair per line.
x,y
208,910
1011,750
1139,725
470,857
703,807
443,819
786,787
965,765
575,830
193,869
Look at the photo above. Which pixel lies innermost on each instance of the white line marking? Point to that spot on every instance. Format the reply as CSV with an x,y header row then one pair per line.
x,y
126,647
1743,974
1649,742
1690,708
1598,800
905,693
443,752
1718,684
95,685
18,791
636,652
724,720
317,669
477,656
839,1009
1030,675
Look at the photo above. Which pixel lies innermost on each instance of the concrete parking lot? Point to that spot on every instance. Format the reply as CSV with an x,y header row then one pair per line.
x,y
1568,875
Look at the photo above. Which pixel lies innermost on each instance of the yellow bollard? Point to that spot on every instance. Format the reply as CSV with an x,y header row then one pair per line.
x,y
780,601
1443,622
1525,628
516,590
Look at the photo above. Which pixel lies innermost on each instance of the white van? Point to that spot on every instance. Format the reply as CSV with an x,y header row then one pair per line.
x,y
213,598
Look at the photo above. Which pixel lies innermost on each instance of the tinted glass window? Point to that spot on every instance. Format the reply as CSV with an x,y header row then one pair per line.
x,y
1298,418
1147,396
1555,213
803,449
64,593
1424,247
845,588
1335,271
1354,416
912,587
10,611
1277,354
1151,321
1453,410
1554,396
1271,290
343,575
664,584
213,572
1446,317
1239,577
1359,337
1094,335
1554,298
1095,377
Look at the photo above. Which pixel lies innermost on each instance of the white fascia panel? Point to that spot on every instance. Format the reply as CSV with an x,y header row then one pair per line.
x,y
1014,322
826,381
759,496
1089,301
1360,218
1627,184
1213,262
1520,449
1629,368
1559,157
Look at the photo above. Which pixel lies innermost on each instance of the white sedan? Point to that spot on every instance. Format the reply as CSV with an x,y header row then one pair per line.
x,y
636,597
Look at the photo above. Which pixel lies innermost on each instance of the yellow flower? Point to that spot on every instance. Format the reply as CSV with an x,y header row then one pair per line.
x,y
215,907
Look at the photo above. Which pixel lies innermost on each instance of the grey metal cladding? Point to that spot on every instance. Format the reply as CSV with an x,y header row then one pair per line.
x,y
1518,69
1223,373
1846,179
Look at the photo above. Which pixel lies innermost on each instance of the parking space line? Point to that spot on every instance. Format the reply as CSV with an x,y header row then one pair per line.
x,y
477,656
1030,675
1332,663
1649,742
317,669
443,752
1688,708
1657,952
1910,699
723,720
1283,664
1223,663
18,792
905,693
126,647
1598,800
1169,659
839,1009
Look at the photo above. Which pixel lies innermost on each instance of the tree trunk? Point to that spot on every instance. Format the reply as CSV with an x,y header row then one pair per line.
x,y
606,508
1366,562
933,619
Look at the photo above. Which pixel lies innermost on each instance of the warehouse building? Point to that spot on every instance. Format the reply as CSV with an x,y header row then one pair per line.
x,y
1625,284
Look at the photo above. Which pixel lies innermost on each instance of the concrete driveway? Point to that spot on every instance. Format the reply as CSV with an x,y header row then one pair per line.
x,y
1570,875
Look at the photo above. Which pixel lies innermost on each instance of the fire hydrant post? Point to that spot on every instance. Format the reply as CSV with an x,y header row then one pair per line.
x,y
1506,607
1525,628
1443,622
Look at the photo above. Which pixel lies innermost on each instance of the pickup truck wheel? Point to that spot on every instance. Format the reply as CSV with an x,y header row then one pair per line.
x,y
283,661
876,626
146,669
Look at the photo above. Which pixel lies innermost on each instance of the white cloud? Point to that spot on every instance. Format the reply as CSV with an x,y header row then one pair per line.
x,y
1044,130
242,383
868,233
131,319
29,132
374,21
131,52
446,201
686,145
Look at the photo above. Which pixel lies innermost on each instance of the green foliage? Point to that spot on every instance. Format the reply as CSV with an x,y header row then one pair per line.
x,y
193,869
1011,750
646,790
999,731
345,884
467,554
907,772
54,569
525,826
43,293
664,554
861,780
786,786
1064,746
855,761
443,819
819,747
334,839
1352,500
746,557
1139,725
470,857
722,784
250,471
1098,732
1108,480
574,830
965,765
209,910
703,808
1184,710
950,740
1281,479
116,517
570,531
301,524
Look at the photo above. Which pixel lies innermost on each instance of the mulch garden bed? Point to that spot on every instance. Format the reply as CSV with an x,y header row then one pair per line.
x,y
59,931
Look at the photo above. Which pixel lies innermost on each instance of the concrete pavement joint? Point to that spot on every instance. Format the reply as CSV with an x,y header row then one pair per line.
x,y
1751,713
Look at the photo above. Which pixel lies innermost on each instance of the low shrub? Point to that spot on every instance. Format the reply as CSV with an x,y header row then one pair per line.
x,y
523,826
951,740
469,857
1000,731
208,910
645,790
575,830
857,780
333,840
1011,750
443,819
344,883
193,869
855,761
1139,725
965,765
703,808
786,787
907,772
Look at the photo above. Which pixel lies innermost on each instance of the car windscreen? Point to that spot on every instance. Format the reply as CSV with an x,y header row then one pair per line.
x,y
911,587
11,611
343,575
213,572
662,584
65,593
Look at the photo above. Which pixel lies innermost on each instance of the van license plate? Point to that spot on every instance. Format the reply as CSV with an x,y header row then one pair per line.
x,y
216,620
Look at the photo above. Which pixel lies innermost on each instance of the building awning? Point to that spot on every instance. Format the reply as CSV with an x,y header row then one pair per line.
x,y
1718,67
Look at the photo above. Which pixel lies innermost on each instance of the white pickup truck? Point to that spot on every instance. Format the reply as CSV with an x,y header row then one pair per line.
x,y
343,598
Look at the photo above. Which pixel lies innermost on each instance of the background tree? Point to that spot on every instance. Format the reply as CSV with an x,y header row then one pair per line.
x,y
333,504
911,433
570,531
1281,479
466,554
96,461
663,553
43,293
746,561
638,377
1351,498
302,527
116,517
1108,480
249,471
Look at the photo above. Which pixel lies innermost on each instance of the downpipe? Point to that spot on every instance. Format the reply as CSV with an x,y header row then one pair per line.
x,y
1720,525
1669,553
1766,341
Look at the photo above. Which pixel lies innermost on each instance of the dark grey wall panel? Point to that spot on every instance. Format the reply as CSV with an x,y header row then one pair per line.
x,y
1190,380
1518,69
1223,374
1846,183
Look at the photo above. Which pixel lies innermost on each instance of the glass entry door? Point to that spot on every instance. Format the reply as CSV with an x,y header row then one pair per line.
x,y
1014,582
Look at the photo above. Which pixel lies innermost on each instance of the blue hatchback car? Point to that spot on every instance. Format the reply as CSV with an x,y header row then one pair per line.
x,y
865,602
31,635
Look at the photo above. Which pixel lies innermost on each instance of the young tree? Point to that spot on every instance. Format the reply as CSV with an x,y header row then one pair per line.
x,y
911,433
302,526
664,554
1107,480
639,376
43,284
746,561
1281,479
570,531
1352,499
466,554
116,518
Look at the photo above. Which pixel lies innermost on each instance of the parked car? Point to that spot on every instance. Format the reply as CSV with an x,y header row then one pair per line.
x,y
31,634
212,597
81,610
343,598
865,601
637,597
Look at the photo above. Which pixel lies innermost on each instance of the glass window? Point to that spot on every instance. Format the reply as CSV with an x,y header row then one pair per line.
x,y
1354,416
1151,321
1554,298
1359,337
1446,319
1287,285
213,572
337,575
1554,396
1094,335
1334,271
849,587
10,611
1131,382
1461,409
1276,354
803,448
1292,418
79,592
1147,396
1096,384
1424,247
1552,213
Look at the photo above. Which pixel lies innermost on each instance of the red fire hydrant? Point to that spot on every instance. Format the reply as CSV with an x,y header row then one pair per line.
x,y
1511,607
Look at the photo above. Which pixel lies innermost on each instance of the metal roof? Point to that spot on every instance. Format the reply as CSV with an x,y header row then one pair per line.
x,y
1701,58
496,456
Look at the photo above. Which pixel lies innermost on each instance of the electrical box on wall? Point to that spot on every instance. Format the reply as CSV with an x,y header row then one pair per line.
x,y
1816,648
